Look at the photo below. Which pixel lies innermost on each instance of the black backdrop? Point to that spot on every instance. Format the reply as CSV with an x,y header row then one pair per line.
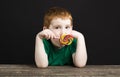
x,y
21,20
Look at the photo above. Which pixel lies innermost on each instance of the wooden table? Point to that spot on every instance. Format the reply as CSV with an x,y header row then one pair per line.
x,y
20,70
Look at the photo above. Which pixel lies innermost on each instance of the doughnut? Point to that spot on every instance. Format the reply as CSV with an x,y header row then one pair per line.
x,y
66,39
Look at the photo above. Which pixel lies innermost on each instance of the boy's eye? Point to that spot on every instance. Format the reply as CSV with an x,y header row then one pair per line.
x,y
56,27
67,27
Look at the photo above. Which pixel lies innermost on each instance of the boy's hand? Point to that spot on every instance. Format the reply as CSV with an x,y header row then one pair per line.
x,y
48,34
76,34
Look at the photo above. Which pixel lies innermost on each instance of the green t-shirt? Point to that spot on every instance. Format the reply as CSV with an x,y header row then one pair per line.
x,y
59,56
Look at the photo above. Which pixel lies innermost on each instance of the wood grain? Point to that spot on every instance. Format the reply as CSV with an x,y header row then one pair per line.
x,y
18,70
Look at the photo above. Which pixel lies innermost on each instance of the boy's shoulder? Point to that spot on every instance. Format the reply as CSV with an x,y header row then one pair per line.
x,y
45,41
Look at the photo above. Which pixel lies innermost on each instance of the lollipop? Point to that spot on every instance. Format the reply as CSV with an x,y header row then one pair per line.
x,y
66,39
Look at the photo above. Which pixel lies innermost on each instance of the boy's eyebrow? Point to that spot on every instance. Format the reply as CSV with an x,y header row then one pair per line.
x,y
56,25
68,25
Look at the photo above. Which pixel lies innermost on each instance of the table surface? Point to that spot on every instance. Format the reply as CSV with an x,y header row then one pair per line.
x,y
22,70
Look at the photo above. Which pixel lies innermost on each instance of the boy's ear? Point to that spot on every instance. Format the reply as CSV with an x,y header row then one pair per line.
x,y
44,27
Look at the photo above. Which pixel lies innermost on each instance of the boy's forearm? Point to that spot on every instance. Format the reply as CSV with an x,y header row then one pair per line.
x,y
80,56
40,54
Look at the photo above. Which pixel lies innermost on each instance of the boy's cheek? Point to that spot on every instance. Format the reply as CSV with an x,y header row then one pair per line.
x,y
57,34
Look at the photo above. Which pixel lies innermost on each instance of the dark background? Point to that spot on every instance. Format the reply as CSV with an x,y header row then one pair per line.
x,y
21,20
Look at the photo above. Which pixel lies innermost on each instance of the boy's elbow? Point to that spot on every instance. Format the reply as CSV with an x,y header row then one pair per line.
x,y
42,66
80,65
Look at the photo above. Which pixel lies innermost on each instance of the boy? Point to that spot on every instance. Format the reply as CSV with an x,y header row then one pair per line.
x,y
48,49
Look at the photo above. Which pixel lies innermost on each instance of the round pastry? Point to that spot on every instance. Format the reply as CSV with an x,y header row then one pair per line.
x,y
66,39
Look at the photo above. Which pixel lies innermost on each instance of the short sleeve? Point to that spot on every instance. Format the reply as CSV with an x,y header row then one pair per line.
x,y
73,46
46,45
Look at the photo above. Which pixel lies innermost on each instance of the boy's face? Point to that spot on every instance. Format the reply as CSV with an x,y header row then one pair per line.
x,y
60,26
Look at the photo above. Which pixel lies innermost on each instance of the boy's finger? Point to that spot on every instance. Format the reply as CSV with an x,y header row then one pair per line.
x,y
48,37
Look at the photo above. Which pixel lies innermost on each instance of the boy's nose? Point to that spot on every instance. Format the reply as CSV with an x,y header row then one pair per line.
x,y
62,31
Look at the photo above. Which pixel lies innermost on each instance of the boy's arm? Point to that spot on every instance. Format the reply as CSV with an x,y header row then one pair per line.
x,y
41,58
80,56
